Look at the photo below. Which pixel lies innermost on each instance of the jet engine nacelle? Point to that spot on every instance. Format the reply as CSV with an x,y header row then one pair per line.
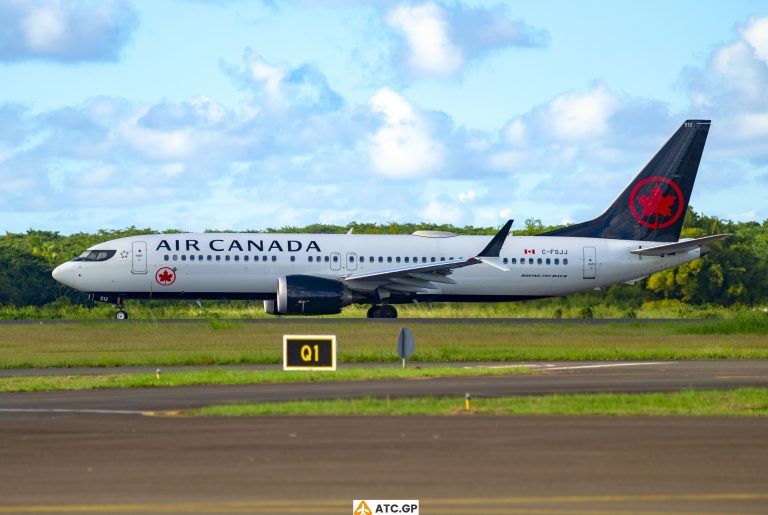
x,y
308,295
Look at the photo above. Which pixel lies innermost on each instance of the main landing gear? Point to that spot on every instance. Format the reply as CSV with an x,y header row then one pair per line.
x,y
384,311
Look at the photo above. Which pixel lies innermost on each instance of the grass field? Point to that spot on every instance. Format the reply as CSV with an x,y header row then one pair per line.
x,y
742,402
219,376
219,342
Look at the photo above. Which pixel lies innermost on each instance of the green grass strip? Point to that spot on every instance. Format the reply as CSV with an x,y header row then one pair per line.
x,y
741,402
229,377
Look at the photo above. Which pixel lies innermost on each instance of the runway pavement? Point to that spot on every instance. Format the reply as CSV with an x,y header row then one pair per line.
x,y
72,463
87,462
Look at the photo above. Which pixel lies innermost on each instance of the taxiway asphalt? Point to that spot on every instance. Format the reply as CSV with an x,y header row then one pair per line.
x,y
549,377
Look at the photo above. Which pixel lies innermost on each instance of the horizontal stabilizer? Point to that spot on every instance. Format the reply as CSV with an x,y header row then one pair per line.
x,y
680,246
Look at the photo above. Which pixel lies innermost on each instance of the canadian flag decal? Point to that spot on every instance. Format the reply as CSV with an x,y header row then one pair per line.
x,y
529,251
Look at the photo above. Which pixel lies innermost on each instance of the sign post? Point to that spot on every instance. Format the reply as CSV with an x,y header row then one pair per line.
x,y
406,344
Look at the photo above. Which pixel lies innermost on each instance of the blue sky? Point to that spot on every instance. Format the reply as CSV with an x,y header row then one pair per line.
x,y
247,115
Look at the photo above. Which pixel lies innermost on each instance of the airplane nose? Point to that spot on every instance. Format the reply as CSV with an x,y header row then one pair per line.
x,y
64,273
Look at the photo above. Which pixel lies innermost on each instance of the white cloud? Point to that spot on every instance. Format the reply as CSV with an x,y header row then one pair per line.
x,y
402,147
467,196
756,34
576,116
442,213
44,27
440,39
65,30
271,76
426,31
732,89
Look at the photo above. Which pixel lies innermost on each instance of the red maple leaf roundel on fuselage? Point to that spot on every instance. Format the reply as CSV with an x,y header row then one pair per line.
x,y
656,202
165,276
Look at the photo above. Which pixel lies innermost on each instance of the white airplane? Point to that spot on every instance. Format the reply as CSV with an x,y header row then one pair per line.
x,y
316,274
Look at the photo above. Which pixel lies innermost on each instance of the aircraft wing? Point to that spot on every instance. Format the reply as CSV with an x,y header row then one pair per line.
x,y
417,278
680,246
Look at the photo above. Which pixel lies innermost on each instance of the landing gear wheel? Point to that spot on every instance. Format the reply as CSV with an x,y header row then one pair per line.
x,y
385,311
121,315
388,311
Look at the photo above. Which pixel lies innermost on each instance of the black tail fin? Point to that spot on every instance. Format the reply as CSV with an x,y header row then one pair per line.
x,y
653,206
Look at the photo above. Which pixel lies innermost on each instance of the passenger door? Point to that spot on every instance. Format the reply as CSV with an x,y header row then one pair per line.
x,y
590,263
139,254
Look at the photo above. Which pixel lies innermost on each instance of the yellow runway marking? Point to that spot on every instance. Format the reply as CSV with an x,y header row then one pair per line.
x,y
458,506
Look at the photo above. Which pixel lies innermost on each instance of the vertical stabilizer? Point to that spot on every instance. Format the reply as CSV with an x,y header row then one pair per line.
x,y
652,207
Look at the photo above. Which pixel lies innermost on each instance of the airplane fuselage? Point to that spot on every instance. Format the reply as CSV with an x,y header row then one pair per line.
x,y
247,266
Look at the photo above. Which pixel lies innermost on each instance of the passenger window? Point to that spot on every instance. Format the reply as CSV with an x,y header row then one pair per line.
x,y
274,258
381,259
549,261
166,257
209,258
370,259
227,257
423,260
530,261
264,258
432,259
245,258
538,261
565,261
505,261
335,259
351,259
389,259
309,258
514,261
218,257
397,259
293,258
175,257
327,259
192,257
557,261
407,259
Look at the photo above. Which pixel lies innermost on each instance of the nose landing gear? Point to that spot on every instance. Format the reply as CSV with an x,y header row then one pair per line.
x,y
384,311
121,313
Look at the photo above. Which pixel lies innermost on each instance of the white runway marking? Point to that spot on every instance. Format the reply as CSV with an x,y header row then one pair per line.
x,y
548,366
606,365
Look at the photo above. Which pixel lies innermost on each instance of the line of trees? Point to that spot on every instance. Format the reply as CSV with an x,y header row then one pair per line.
x,y
735,272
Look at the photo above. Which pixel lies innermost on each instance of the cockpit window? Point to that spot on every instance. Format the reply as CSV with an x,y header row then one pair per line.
x,y
95,255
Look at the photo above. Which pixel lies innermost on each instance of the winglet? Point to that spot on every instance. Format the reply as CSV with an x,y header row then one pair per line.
x,y
494,247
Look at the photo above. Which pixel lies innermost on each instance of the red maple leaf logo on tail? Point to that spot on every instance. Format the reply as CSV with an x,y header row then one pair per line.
x,y
659,210
656,203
